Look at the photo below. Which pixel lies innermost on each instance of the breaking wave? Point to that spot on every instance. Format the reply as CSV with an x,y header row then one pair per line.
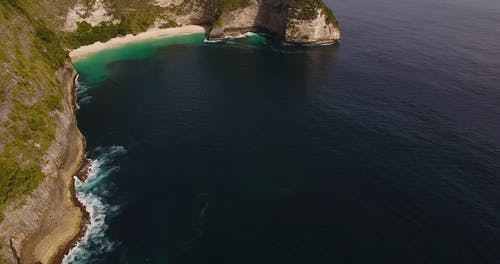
x,y
245,35
81,93
93,193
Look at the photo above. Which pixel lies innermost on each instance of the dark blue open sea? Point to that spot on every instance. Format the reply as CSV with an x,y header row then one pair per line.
x,y
384,148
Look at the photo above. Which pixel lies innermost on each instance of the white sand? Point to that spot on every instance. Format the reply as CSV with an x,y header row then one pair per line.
x,y
85,51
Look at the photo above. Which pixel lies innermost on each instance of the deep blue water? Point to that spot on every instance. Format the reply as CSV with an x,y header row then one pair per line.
x,y
384,148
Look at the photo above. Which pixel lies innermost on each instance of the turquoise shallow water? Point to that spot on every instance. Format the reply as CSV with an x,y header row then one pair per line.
x,y
384,148
96,65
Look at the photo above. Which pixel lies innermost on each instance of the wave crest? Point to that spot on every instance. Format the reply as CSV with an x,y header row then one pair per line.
x,y
93,194
81,90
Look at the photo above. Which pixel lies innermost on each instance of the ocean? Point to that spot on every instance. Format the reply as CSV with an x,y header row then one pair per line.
x,y
384,148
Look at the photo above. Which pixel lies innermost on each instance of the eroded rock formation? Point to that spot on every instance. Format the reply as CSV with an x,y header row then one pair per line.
x,y
290,21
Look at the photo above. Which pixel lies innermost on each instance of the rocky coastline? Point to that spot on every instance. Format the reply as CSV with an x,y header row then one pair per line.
x,y
42,224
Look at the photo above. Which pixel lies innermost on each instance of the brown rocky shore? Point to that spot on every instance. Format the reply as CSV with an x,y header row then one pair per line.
x,y
82,175
40,226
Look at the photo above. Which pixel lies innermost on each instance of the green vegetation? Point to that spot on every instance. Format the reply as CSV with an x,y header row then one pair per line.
x,y
222,7
46,40
85,34
31,54
329,16
141,19
169,24
134,17
32,131
16,181
308,10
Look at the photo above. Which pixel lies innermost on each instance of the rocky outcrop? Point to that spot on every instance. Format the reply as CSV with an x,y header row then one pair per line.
x,y
281,19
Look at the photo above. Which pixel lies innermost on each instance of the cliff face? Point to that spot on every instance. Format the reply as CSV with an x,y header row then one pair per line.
x,y
40,144
36,226
259,16
315,31
94,13
289,21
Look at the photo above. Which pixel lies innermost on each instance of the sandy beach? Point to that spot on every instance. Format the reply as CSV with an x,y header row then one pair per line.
x,y
157,33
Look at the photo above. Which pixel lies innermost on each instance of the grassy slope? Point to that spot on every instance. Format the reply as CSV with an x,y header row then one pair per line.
x,y
30,54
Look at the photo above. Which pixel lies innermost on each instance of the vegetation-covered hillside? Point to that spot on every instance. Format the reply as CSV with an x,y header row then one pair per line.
x,y
131,17
221,7
30,94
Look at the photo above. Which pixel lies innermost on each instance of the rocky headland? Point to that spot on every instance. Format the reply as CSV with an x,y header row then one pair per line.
x,y
296,22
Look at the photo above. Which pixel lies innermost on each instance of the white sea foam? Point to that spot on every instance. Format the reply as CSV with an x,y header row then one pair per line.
x,y
82,96
92,194
245,35
211,41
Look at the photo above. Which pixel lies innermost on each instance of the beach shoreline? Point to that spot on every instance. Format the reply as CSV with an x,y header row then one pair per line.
x,y
156,33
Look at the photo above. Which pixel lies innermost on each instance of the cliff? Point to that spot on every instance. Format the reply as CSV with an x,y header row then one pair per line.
x,y
37,226
295,21
40,144
311,22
